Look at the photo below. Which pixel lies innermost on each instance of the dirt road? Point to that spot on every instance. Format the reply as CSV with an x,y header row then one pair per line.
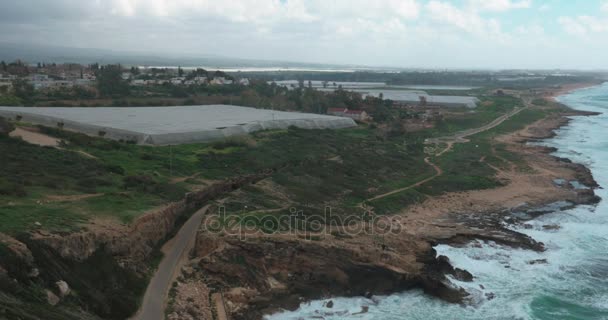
x,y
438,172
153,305
459,137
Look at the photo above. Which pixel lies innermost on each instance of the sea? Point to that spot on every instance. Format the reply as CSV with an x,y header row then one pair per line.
x,y
572,284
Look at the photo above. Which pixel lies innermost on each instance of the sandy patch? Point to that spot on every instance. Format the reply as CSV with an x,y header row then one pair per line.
x,y
35,137
565,89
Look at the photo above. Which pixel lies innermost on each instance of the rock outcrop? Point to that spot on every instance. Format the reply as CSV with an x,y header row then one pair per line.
x,y
107,267
259,275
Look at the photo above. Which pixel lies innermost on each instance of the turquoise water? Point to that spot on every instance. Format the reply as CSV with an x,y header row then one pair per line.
x,y
572,285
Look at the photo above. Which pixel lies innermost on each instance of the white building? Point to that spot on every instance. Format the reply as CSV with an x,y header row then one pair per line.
x,y
84,82
201,80
177,80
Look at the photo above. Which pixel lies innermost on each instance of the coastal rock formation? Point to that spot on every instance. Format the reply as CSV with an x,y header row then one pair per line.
x,y
106,265
257,275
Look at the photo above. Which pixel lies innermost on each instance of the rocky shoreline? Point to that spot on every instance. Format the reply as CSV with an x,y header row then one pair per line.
x,y
247,277
258,275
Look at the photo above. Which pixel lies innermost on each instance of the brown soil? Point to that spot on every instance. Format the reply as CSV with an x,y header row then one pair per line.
x,y
33,137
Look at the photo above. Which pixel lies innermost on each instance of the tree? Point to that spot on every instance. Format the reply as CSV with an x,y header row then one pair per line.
x,y
3,65
134,71
24,91
110,82
180,72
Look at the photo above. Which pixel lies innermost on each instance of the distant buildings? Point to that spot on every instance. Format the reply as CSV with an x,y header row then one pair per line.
x,y
422,99
6,81
58,76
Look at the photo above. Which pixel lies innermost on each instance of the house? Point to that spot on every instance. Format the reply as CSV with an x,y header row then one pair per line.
x,y
217,81
83,82
6,80
244,81
126,75
177,80
39,77
220,81
358,115
138,82
337,111
200,80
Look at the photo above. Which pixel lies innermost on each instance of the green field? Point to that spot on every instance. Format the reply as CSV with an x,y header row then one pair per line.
x,y
60,189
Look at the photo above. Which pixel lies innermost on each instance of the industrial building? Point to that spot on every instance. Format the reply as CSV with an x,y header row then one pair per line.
x,y
171,125
421,98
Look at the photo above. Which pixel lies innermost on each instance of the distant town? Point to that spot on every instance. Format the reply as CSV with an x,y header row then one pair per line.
x,y
410,101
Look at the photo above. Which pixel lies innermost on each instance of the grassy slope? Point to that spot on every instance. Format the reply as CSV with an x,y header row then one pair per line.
x,y
315,168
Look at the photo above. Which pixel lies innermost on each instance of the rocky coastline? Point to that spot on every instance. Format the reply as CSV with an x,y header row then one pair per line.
x,y
258,275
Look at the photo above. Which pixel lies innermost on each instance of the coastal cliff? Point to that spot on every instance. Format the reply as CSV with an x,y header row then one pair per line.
x,y
108,267
251,276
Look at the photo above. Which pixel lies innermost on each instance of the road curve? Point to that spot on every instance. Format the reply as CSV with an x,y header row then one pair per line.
x,y
153,304
459,137
438,172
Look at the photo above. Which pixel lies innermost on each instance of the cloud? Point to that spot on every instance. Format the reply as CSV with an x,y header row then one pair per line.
x,y
499,5
585,25
604,6
463,19
414,33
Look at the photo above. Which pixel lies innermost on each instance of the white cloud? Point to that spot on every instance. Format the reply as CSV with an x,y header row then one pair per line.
x,y
604,6
260,11
499,5
467,20
456,33
584,25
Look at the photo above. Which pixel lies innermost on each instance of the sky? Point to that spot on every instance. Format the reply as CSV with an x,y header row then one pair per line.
x,y
458,34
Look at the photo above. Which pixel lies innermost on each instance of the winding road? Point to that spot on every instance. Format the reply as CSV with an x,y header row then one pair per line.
x,y
459,137
154,302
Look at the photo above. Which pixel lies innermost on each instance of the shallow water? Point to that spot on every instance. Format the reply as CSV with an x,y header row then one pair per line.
x,y
573,284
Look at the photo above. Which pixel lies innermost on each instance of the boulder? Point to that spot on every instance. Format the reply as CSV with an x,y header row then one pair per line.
x,y
5,126
52,298
63,287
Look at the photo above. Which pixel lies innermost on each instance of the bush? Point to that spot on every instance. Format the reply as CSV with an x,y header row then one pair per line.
x,y
5,126
141,182
11,189
227,143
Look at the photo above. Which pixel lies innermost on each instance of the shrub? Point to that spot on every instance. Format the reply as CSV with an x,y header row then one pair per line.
x,y
5,126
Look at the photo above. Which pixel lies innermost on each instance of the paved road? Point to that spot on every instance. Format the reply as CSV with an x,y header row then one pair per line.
x,y
153,305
